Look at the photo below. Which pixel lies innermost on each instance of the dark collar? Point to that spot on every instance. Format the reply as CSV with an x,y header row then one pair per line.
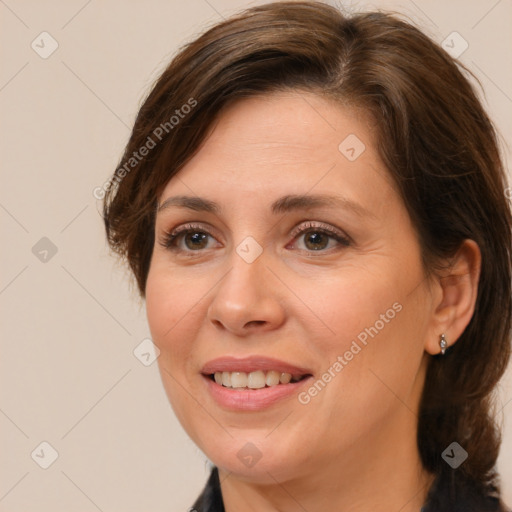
x,y
460,499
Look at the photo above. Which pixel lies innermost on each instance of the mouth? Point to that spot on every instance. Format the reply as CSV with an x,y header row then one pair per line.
x,y
252,383
255,380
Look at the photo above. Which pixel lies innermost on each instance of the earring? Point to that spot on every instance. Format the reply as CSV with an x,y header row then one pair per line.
x,y
443,344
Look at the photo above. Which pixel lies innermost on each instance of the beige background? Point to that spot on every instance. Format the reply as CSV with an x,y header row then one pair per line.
x,y
69,325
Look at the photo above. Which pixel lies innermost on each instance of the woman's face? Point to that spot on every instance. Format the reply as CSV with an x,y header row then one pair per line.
x,y
298,261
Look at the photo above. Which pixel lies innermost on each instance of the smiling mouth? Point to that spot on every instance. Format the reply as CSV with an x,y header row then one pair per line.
x,y
255,380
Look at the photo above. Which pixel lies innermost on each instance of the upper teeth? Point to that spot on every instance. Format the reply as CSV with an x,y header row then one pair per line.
x,y
252,380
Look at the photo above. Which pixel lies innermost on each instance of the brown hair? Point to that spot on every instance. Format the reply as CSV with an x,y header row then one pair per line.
x,y
435,139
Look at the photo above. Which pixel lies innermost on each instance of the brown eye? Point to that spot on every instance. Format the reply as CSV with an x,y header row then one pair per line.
x,y
195,240
313,238
316,240
189,239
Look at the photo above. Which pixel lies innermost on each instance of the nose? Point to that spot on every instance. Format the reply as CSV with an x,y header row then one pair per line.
x,y
247,299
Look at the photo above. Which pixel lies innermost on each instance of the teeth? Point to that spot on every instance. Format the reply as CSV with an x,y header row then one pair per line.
x,y
253,380
272,378
239,380
226,379
285,378
256,380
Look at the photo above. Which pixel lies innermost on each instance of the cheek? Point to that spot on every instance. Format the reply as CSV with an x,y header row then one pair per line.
x,y
174,312
373,329
354,307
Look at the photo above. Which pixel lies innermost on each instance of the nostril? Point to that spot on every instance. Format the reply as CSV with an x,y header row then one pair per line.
x,y
256,322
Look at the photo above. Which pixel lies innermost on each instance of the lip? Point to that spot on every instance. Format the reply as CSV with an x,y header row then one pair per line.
x,y
254,399
251,364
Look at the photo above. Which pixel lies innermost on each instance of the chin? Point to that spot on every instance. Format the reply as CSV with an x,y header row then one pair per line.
x,y
255,456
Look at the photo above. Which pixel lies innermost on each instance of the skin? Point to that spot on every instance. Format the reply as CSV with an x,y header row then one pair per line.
x,y
353,446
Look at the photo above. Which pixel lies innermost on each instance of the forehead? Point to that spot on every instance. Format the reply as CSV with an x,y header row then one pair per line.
x,y
288,125
288,142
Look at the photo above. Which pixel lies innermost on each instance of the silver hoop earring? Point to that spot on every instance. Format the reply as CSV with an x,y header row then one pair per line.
x,y
443,344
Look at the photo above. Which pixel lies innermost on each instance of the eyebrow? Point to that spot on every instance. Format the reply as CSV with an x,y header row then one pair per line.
x,y
284,204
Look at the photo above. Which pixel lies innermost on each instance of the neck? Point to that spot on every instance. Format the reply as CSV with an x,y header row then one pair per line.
x,y
380,475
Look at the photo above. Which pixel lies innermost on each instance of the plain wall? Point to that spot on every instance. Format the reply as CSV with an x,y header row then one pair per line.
x,y
70,321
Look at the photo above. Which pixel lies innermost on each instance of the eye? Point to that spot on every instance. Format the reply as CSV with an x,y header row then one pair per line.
x,y
187,238
319,237
316,237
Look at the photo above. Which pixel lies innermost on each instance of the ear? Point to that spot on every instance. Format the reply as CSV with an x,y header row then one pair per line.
x,y
456,289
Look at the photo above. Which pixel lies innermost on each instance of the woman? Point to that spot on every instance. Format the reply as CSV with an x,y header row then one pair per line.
x,y
314,209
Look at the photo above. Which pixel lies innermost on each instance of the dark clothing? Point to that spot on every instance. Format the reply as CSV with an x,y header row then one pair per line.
x,y
464,498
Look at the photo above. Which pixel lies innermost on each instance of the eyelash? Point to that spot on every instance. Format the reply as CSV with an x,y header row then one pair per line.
x,y
315,227
170,239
